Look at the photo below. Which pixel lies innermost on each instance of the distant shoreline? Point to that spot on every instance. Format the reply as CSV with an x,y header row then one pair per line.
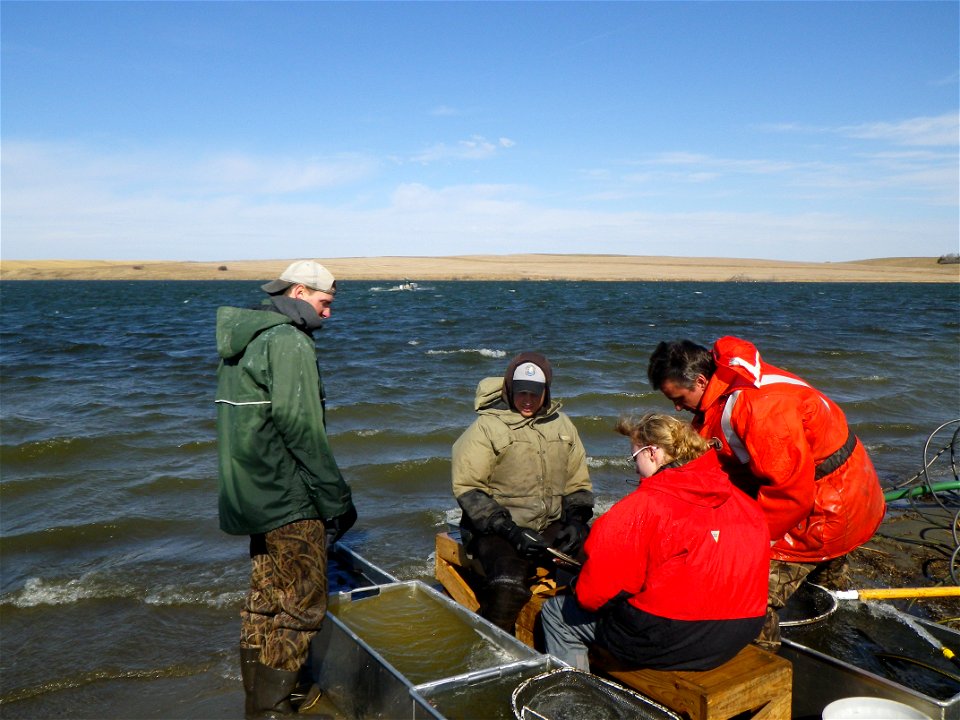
x,y
502,267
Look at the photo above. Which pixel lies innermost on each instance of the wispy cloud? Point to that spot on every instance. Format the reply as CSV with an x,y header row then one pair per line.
x,y
719,164
445,111
943,131
64,164
474,148
937,131
952,79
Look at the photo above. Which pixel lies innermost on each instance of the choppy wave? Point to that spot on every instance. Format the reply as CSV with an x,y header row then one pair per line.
x,y
67,450
92,534
618,463
101,585
484,352
37,591
78,680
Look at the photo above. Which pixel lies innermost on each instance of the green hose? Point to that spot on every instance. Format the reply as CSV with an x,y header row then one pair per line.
x,y
921,490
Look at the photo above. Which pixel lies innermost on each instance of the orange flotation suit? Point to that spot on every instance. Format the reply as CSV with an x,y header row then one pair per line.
x,y
789,446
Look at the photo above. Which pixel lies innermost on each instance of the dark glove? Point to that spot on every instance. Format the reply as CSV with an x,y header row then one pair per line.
x,y
529,543
571,538
338,526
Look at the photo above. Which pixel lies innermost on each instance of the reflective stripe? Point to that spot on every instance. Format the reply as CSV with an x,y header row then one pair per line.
x,y
752,368
771,379
733,440
252,402
736,444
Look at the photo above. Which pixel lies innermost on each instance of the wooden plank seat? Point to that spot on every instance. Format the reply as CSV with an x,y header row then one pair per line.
x,y
460,574
754,681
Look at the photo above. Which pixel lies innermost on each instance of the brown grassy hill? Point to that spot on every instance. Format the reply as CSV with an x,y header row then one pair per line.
x,y
500,267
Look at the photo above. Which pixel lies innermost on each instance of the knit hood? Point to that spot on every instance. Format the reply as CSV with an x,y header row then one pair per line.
x,y
541,362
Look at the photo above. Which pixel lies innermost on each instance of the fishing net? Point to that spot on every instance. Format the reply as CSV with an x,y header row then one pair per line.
x,y
570,694
809,604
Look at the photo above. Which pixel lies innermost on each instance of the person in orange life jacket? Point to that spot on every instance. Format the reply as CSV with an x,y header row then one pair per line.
x,y
788,445
676,572
520,477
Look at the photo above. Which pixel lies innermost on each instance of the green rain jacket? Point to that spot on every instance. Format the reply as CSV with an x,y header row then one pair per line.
x,y
525,465
275,462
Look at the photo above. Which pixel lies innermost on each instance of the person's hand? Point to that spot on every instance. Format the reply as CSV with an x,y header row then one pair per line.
x,y
529,543
571,538
338,526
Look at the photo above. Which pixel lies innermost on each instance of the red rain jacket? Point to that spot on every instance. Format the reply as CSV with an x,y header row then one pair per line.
x,y
775,430
686,545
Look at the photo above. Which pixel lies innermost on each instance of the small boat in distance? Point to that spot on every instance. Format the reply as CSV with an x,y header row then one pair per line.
x,y
405,285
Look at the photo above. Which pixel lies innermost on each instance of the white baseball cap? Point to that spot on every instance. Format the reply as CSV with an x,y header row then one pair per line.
x,y
529,377
530,372
303,272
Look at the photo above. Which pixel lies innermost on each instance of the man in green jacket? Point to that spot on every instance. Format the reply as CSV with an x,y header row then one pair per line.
x,y
279,482
520,476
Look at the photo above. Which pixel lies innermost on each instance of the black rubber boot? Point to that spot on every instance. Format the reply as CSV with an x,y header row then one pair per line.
x,y
503,598
249,659
271,692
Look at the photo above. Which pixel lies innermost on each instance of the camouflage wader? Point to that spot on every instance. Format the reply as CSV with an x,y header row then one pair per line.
x,y
288,593
785,578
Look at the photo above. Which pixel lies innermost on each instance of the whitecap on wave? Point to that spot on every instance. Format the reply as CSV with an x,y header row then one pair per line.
x,y
206,598
603,462
485,352
37,591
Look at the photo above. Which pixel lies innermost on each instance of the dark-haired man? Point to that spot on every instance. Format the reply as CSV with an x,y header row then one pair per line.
x,y
785,443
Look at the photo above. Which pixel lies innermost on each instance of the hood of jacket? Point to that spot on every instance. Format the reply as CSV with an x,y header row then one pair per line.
x,y
537,359
738,365
237,327
699,482
489,400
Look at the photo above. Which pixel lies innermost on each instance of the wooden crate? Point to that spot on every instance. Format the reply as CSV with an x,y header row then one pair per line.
x,y
755,681
454,569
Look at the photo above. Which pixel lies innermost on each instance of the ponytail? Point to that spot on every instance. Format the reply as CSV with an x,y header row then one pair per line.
x,y
679,441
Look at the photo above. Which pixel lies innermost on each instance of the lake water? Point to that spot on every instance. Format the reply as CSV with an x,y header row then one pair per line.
x,y
119,595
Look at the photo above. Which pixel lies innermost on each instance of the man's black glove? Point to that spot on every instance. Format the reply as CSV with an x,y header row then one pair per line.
x,y
338,526
571,538
529,543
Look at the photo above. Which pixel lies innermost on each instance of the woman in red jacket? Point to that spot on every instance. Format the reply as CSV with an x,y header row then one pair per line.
x,y
676,572
785,443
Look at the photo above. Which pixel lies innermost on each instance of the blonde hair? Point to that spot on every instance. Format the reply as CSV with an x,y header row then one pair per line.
x,y
678,440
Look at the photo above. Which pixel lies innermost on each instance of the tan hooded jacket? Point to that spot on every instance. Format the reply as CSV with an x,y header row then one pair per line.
x,y
524,465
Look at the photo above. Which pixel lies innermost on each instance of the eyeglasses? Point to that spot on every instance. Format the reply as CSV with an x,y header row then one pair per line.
x,y
633,455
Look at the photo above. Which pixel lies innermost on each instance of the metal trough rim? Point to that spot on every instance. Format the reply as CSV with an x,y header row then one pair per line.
x,y
887,682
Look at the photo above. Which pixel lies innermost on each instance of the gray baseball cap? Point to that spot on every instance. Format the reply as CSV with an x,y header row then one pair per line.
x,y
303,272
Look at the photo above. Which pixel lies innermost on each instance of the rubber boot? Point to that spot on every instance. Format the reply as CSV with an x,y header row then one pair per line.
x,y
249,659
307,698
503,599
271,692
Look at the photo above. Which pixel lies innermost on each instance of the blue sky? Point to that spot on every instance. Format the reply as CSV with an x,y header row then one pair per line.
x,y
815,131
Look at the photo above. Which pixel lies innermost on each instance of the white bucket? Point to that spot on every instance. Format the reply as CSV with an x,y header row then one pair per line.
x,y
871,708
